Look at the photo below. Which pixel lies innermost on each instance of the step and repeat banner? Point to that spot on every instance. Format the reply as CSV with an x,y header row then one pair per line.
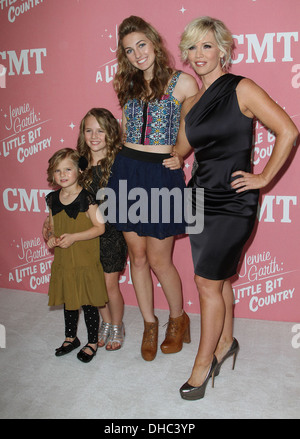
x,y
58,60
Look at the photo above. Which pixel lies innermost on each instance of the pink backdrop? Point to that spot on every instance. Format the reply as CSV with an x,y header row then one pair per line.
x,y
58,60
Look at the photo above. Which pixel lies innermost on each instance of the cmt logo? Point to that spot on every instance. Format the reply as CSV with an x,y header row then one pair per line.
x,y
32,57
268,208
20,200
264,51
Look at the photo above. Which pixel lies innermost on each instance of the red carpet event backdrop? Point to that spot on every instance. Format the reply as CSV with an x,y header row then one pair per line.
x,y
58,60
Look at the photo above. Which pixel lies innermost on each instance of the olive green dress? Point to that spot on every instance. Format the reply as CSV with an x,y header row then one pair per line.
x,y
77,276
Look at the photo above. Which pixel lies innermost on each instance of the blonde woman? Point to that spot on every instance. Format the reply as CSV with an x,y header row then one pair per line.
x,y
217,123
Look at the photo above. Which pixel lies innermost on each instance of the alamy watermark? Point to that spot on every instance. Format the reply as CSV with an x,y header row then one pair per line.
x,y
2,337
296,337
161,205
2,76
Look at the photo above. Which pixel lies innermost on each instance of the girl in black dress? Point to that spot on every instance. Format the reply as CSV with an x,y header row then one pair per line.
x,y
217,123
99,142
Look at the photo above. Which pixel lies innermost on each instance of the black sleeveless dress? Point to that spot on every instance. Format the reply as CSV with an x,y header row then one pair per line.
x,y
113,247
222,140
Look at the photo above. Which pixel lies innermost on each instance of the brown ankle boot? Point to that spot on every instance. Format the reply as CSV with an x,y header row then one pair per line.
x,y
177,333
149,343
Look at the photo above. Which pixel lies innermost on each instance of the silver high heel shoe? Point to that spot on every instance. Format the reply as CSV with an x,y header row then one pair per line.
x,y
117,335
190,392
104,333
233,351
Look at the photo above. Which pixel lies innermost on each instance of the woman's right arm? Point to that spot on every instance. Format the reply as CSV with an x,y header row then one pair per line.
x,y
182,147
123,126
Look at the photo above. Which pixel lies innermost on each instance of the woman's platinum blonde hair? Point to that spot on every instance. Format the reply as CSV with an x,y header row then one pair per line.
x,y
198,28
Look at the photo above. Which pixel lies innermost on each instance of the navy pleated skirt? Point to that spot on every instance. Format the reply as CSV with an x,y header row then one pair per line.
x,y
149,198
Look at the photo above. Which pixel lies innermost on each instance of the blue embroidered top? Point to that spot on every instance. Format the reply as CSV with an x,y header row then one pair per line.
x,y
155,122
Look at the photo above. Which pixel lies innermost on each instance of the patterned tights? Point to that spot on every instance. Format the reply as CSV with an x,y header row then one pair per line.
x,y
91,317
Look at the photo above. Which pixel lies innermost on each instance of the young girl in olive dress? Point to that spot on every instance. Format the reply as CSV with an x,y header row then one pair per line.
x,y
77,278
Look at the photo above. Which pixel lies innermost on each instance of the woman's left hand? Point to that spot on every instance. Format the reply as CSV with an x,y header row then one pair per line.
x,y
174,162
246,181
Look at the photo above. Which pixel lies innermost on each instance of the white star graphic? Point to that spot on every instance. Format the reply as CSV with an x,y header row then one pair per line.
x,y
182,10
72,125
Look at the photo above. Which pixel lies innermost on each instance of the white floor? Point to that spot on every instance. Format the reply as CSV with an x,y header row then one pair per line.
x,y
34,384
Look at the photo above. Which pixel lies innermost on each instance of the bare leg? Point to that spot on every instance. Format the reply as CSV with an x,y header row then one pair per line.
x,y
159,253
114,310
105,313
212,308
226,337
146,253
115,298
140,274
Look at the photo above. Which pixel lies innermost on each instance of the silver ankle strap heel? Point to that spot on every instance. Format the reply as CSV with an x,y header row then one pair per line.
x,y
117,335
104,333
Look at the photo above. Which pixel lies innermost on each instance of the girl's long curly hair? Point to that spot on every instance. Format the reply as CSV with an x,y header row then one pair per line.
x,y
111,127
129,82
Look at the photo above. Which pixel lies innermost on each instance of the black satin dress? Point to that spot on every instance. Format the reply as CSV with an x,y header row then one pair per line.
x,y
222,139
